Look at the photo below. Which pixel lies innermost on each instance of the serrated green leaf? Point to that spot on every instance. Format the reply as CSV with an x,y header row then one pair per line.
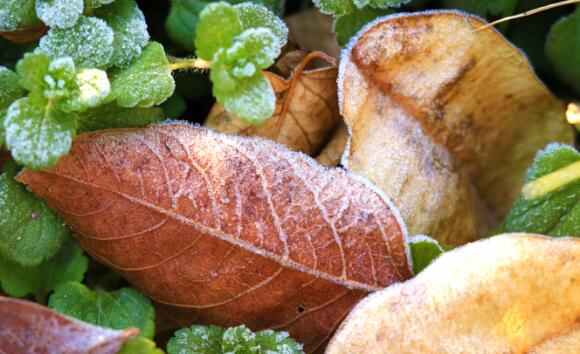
x,y
93,4
15,14
69,264
146,82
335,7
218,24
563,49
30,232
113,116
348,25
118,309
10,91
557,213
59,13
130,28
182,21
89,42
31,70
253,50
213,340
140,345
255,16
276,6
37,134
386,4
424,250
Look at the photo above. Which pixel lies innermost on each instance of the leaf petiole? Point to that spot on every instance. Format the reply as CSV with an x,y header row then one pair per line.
x,y
551,181
193,63
529,13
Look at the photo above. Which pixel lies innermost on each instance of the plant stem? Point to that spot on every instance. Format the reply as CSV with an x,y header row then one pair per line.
x,y
530,12
551,181
193,63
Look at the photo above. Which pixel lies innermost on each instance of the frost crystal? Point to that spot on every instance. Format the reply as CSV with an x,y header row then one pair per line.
x,y
59,13
15,14
93,87
89,43
255,16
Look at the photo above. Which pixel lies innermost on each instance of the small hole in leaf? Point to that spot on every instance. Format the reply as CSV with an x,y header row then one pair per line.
x,y
301,309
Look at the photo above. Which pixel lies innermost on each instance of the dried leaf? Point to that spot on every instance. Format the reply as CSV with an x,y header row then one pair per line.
x,y
227,230
449,120
332,153
30,328
306,108
507,294
25,35
311,31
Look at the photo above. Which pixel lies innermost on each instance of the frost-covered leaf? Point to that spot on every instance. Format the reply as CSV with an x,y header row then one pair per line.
x,y
213,340
218,24
15,14
348,25
92,4
251,51
556,213
89,42
146,82
335,7
424,250
10,91
31,70
37,134
92,88
69,264
563,49
59,13
29,231
119,309
113,116
128,23
254,16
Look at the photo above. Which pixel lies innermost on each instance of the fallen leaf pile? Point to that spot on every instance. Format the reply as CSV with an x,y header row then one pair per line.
x,y
226,230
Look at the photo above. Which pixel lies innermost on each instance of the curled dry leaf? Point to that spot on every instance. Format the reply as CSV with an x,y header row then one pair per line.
x,y
332,153
445,120
30,328
506,294
25,35
312,31
306,108
227,230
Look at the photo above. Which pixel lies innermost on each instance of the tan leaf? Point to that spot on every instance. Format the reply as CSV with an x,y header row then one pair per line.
x,y
311,31
332,153
306,109
30,328
228,230
445,120
25,35
506,294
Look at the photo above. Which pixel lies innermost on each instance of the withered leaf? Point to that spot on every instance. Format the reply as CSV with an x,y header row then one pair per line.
x,y
306,108
332,153
311,31
227,230
445,120
514,293
30,328
25,35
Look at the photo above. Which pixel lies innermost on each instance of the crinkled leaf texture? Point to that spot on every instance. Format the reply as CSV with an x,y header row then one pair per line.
x,y
227,230
10,91
15,14
28,326
59,13
506,294
445,127
556,213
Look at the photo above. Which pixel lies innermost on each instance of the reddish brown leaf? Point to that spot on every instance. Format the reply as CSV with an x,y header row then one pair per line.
x,y
30,328
230,230
25,35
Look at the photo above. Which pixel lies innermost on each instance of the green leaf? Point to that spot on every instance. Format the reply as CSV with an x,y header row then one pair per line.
x,y
174,107
218,24
335,7
89,42
113,116
118,309
563,49
31,69
147,82
130,28
38,134
69,264
93,4
30,232
492,8
10,91
213,340
182,21
15,14
276,6
140,345
556,213
348,25
59,13
255,16
424,250
253,50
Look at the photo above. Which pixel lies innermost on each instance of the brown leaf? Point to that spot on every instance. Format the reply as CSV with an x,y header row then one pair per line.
x,y
30,328
445,120
25,35
506,294
311,31
226,229
306,108
332,153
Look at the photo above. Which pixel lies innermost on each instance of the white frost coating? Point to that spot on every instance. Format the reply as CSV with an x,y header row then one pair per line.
x,y
93,85
59,13
256,15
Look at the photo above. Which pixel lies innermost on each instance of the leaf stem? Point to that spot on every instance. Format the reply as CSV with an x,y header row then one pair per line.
x,y
530,12
551,181
193,63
